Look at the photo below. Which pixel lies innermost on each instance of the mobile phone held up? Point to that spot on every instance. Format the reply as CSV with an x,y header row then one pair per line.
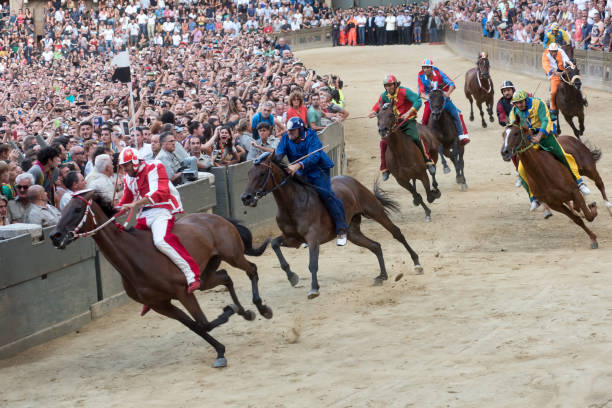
x,y
125,128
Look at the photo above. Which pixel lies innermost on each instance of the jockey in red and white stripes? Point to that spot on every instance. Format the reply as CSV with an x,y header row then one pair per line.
x,y
147,185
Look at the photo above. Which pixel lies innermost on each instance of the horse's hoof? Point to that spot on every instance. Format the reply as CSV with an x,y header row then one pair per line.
x,y
547,214
313,293
377,281
249,315
266,312
418,270
471,118
609,207
446,170
294,279
594,245
463,187
484,124
220,363
427,218
491,119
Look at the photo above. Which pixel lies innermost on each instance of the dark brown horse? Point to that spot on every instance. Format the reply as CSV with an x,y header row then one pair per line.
x,y
569,100
303,218
151,278
442,126
404,159
479,86
549,180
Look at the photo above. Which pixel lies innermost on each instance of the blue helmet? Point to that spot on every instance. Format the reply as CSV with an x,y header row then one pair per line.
x,y
295,123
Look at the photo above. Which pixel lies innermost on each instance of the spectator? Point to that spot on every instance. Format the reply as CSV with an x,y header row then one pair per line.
x,y
19,207
6,189
204,161
44,169
74,181
296,106
169,159
4,217
41,212
267,143
264,116
101,177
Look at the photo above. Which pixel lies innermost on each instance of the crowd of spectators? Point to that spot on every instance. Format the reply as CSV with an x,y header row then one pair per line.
x,y
213,85
588,23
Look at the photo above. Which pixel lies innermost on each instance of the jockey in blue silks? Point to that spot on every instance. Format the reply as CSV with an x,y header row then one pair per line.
x,y
297,142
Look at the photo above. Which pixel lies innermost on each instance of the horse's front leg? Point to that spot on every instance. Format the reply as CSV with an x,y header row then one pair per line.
x,y
445,167
469,97
581,121
291,276
484,122
490,108
570,120
313,266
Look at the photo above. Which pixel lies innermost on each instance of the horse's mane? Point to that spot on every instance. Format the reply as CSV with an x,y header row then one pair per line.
x,y
104,203
298,179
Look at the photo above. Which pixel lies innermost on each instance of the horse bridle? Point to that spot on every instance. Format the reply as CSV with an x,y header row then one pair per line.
x,y
525,143
437,112
261,193
480,83
88,210
570,81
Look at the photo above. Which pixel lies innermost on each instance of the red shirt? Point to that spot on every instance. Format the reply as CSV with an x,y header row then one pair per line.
x,y
152,181
301,112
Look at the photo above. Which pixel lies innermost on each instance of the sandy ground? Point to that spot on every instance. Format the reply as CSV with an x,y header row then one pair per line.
x,y
512,311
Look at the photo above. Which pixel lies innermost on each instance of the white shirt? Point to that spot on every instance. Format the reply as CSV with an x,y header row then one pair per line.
x,y
390,20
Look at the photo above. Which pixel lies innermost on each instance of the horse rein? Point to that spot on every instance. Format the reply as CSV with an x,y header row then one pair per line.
x,y
569,81
523,147
261,193
76,234
480,83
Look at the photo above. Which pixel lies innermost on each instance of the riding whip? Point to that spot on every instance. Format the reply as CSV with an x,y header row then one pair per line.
x,y
309,154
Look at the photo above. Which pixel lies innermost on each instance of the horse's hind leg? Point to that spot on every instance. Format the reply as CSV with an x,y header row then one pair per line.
x,y
276,247
356,236
581,121
313,266
594,175
251,270
200,328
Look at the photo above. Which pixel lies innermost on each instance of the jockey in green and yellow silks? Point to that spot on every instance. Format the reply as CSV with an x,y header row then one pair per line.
x,y
534,113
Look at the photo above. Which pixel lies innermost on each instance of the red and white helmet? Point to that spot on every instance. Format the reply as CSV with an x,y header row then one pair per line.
x,y
427,63
128,155
390,79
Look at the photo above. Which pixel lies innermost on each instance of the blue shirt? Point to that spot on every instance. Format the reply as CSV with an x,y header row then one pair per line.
x,y
257,119
307,143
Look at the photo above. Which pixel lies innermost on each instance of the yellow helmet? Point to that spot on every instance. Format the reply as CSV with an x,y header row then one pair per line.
x,y
553,47
554,27
519,96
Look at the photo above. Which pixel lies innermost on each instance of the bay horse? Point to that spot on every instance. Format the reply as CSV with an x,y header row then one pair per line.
x,y
569,100
479,86
303,218
404,159
151,278
442,126
549,180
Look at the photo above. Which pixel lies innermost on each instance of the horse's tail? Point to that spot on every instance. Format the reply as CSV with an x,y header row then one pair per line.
x,y
384,198
594,150
247,239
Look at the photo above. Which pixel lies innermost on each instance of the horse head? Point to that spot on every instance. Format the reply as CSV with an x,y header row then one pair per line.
x,y
483,66
572,77
74,217
514,140
386,119
261,180
436,103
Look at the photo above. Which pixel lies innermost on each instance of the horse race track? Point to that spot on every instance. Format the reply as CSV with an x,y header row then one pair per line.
x,y
512,311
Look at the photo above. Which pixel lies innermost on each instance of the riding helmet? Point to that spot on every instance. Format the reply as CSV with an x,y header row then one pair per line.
x,y
519,96
553,47
390,79
554,27
295,123
427,63
507,84
128,155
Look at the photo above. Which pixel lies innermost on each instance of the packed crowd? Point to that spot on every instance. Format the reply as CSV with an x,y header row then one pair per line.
x,y
582,23
218,100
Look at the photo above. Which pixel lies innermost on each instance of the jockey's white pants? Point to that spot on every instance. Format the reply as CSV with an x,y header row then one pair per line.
x,y
160,221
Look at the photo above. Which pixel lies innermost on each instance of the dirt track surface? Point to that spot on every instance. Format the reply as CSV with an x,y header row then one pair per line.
x,y
512,311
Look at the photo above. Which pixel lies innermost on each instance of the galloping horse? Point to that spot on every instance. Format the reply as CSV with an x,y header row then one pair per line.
x,y
443,127
404,159
479,86
548,179
570,101
302,217
150,278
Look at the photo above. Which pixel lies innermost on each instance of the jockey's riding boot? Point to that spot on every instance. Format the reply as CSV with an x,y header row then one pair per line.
x,y
385,175
534,204
193,286
584,189
341,238
145,310
464,139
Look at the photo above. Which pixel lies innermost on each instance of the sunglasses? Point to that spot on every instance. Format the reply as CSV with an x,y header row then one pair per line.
x,y
22,187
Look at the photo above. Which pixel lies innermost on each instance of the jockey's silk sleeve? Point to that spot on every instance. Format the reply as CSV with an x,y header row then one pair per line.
x,y
413,98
